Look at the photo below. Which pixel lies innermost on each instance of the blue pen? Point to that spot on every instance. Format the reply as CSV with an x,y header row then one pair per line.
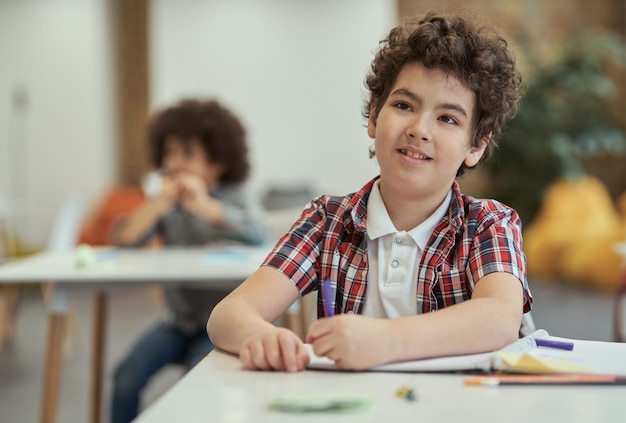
x,y
550,343
328,298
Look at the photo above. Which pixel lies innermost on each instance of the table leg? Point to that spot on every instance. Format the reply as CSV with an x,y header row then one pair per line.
x,y
97,355
9,299
53,366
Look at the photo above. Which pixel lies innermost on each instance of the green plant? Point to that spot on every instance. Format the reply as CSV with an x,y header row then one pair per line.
x,y
563,118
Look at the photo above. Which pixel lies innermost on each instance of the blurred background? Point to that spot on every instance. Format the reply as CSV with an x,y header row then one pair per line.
x,y
79,78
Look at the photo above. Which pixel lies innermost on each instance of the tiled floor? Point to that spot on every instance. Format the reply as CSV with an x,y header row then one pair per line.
x,y
561,309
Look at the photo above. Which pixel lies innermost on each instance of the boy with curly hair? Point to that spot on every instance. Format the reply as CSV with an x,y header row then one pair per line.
x,y
199,148
407,267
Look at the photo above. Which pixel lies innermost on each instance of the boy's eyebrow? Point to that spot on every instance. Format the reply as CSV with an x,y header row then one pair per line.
x,y
453,106
417,98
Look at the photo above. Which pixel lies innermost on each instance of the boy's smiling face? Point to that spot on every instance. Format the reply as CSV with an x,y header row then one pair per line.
x,y
423,132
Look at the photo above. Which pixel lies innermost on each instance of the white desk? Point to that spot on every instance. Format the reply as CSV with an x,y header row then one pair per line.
x,y
116,269
217,390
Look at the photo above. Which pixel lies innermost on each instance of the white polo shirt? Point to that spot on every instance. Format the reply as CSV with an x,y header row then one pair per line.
x,y
393,258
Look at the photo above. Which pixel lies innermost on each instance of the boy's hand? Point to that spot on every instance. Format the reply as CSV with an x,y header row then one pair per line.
x,y
194,197
275,349
354,342
192,187
168,196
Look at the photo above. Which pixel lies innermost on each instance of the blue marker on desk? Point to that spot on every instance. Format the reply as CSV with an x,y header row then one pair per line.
x,y
550,343
328,298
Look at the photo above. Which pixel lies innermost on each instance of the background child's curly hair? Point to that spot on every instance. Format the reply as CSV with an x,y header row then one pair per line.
x,y
219,131
477,56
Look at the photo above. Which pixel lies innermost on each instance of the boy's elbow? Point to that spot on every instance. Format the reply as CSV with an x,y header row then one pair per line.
x,y
509,327
210,324
213,326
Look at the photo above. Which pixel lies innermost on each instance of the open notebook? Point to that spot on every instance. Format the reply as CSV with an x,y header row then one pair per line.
x,y
522,356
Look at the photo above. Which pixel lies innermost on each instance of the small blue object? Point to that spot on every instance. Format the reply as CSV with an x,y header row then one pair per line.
x,y
328,298
550,343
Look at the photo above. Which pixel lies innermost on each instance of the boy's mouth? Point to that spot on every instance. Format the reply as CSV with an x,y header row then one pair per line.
x,y
413,154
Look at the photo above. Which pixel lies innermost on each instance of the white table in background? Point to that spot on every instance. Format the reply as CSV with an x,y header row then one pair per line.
x,y
117,269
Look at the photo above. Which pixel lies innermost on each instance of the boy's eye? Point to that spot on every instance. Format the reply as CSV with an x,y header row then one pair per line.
x,y
448,119
169,151
403,106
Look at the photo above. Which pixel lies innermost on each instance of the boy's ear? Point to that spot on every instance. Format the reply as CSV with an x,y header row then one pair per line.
x,y
475,153
371,122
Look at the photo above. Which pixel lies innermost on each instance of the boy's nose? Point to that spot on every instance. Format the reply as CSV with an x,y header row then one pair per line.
x,y
420,127
176,162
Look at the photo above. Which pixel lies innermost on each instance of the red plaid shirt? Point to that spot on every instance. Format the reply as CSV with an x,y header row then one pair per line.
x,y
328,241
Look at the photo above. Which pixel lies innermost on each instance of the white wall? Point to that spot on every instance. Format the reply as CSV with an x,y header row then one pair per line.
x,y
56,106
293,70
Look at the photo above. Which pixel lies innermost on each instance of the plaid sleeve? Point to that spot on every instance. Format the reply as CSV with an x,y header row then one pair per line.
x,y
296,253
497,247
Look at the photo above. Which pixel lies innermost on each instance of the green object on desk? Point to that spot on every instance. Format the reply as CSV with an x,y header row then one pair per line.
x,y
305,402
85,257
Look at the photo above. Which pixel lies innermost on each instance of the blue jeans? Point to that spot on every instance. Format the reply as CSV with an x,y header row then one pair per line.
x,y
162,345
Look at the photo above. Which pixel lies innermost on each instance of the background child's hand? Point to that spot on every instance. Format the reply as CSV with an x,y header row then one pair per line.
x,y
192,187
354,342
168,194
275,349
194,197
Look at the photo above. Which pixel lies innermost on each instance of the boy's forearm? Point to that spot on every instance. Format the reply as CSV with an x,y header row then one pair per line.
x,y
231,322
473,326
211,210
236,222
138,223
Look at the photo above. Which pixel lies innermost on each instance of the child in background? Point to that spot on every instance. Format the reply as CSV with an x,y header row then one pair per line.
x,y
415,269
200,150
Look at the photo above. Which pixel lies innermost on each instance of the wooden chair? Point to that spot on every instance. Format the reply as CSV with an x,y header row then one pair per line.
x,y
11,248
72,226
97,225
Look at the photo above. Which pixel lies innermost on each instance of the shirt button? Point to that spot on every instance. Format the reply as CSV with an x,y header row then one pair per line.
x,y
395,263
399,240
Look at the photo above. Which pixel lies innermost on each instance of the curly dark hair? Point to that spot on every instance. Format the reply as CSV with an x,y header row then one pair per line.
x,y
221,134
476,56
